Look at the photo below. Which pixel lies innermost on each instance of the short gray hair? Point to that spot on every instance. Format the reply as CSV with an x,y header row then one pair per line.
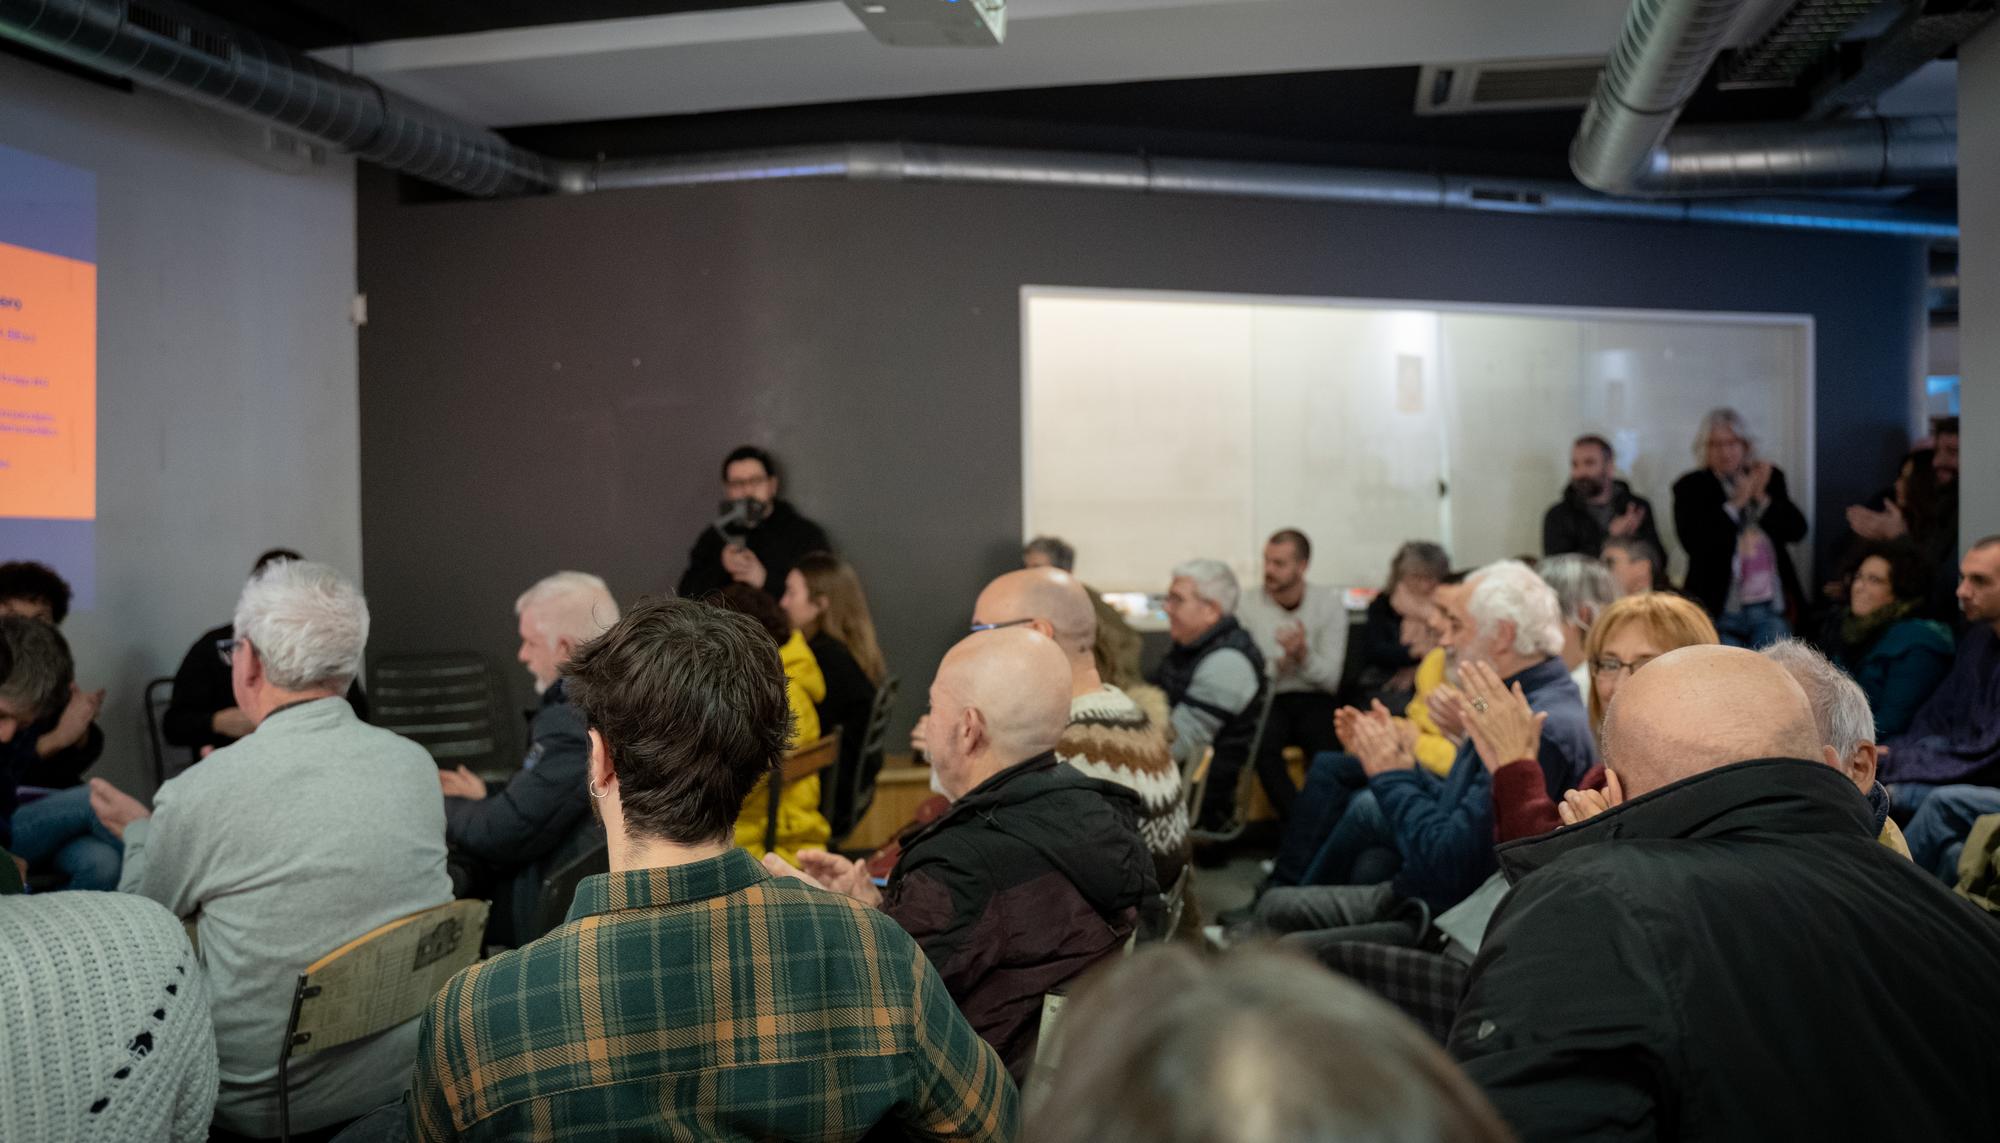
x,y
39,668
1839,706
1509,590
1583,587
1723,418
307,622
1213,581
569,605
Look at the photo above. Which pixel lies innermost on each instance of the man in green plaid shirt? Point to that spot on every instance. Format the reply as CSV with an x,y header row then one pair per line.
x,y
691,995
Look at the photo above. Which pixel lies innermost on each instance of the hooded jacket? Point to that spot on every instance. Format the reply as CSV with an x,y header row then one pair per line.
x,y
800,824
1733,957
1031,878
1569,526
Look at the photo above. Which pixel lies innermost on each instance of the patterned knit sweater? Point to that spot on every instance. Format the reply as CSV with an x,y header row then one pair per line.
x,y
106,1025
1110,737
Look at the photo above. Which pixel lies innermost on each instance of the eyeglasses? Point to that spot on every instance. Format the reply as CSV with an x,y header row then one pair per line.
x,y
978,627
225,649
1611,666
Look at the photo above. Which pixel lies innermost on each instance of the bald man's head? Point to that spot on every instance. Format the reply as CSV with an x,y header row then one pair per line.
x,y
1000,698
1700,708
1051,595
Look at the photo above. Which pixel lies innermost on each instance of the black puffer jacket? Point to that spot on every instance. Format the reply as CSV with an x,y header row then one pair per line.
x,y
1734,957
1028,880
1568,525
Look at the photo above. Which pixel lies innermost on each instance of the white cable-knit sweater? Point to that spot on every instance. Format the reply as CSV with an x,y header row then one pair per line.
x,y
104,1024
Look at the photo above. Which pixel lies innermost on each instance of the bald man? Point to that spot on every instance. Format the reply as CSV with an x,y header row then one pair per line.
x,y
1109,736
1728,954
1036,872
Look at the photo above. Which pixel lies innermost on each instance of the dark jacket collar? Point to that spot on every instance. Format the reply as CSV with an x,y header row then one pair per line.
x,y
1764,795
1004,787
556,693
1210,637
1546,673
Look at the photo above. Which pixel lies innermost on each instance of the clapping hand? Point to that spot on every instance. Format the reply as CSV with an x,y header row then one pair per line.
x,y
1381,749
1888,524
1448,709
1502,726
829,871
74,725
1582,805
1627,523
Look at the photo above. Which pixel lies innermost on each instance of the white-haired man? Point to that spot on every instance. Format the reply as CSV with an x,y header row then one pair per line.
x,y
287,844
1214,679
508,842
1381,816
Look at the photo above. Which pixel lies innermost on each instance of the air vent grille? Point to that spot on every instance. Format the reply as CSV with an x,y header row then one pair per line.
x,y
1513,85
171,27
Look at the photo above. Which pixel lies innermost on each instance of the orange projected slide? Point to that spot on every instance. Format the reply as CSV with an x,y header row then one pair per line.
x,y
48,386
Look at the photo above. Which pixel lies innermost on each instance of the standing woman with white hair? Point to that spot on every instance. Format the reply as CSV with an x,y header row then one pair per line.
x,y
1735,519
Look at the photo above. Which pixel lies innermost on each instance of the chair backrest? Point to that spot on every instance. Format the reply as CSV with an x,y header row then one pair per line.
x,y
1239,815
159,696
1048,1051
798,765
382,978
447,704
852,789
559,888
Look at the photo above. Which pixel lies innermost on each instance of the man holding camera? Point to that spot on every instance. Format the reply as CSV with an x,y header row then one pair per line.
x,y
757,538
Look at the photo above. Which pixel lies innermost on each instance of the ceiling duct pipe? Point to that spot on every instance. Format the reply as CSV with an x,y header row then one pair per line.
x,y
168,46
1626,144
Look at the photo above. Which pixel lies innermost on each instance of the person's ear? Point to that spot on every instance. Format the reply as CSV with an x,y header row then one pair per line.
x,y
602,776
565,647
971,731
1504,634
1860,766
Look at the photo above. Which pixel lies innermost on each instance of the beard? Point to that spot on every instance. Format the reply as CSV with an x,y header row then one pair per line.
x,y
1590,487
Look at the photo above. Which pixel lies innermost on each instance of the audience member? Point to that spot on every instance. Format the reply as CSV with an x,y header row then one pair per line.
x,y
1109,736
692,996
1845,723
1049,552
1301,632
288,843
1725,904
1214,678
1939,828
1036,873
108,1029
540,820
1254,1047
1922,507
202,715
758,538
799,821
1636,565
1955,736
1388,670
1583,588
56,832
1735,519
1414,601
1376,815
1896,655
824,602
53,752
1596,505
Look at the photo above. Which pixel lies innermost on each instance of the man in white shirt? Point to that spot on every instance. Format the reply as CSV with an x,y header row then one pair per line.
x,y
1302,631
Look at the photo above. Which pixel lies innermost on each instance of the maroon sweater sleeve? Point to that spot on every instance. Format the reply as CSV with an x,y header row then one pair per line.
x,y
1521,805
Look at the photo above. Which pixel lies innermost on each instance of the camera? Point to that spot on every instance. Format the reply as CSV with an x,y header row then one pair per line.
x,y
737,518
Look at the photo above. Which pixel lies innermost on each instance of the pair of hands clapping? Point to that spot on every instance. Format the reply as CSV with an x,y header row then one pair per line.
x,y
1505,729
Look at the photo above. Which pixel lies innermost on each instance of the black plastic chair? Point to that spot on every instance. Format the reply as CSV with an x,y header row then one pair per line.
x,y
447,704
559,889
1239,816
159,696
846,794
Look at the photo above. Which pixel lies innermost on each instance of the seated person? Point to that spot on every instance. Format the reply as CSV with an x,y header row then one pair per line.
x,y
1636,565
1940,826
1214,679
108,1029
691,996
1166,1045
55,833
202,715
799,821
1845,724
1630,985
287,844
1383,817
541,820
54,751
1595,505
824,602
1955,737
1583,590
1879,637
1301,631
772,543
1036,873
1388,670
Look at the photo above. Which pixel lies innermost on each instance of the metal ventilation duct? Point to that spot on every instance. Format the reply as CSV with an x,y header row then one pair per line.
x,y
165,45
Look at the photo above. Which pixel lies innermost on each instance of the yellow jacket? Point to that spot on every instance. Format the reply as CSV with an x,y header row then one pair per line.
x,y
800,824
1434,751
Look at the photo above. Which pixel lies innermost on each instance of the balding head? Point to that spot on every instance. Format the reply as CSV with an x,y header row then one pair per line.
x,y
1700,708
1000,698
1056,600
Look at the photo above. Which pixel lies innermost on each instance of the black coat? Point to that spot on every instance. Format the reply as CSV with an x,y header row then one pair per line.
x,y
850,699
1568,525
1709,535
1734,957
778,542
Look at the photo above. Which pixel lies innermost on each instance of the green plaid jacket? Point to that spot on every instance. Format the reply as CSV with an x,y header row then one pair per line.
x,y
707,1001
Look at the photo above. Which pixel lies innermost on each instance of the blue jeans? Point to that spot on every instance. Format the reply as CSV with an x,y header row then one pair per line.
x,y
61,831
1332,779
1754,625
1943,819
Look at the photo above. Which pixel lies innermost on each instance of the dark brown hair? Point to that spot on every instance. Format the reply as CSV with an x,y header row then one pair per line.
x,y
757,604
690,700
32,582
1257,1045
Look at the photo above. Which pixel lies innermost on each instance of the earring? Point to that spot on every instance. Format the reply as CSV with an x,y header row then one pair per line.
x,y
594,791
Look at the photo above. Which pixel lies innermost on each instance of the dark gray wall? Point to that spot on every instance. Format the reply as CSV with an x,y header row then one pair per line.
x,y
551,382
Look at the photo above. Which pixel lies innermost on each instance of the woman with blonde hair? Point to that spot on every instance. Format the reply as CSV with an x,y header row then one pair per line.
x,y
1629,634
824,602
